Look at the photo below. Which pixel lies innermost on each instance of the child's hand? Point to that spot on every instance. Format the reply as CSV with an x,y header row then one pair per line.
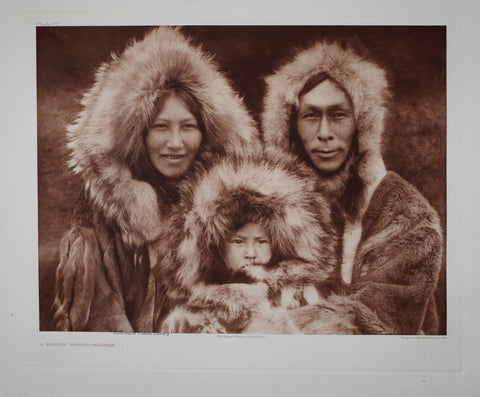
x,y
311,295
293,297
234,305
251,298
287,298
255,272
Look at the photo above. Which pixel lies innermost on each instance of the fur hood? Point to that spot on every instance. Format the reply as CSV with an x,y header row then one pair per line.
x,y
107,138
367,87
283,193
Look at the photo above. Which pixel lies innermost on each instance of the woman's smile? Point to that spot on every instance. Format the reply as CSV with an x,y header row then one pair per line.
x,y
174,157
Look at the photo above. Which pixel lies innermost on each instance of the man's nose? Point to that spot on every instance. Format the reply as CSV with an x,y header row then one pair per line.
x,y
175,140
324,132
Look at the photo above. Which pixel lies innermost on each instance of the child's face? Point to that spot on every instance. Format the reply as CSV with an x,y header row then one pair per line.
x,y
249,245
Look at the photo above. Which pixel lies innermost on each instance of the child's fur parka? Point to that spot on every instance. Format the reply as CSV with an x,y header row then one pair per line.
x,y
286,201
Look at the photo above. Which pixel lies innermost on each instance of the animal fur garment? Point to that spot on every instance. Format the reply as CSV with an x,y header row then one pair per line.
x,y
123,210
367,87
392,242
107,138
288,203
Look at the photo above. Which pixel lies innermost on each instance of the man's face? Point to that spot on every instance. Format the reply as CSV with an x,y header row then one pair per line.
x,y
248,246
326,125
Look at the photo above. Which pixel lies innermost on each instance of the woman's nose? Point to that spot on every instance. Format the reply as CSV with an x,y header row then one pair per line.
x,y
175,139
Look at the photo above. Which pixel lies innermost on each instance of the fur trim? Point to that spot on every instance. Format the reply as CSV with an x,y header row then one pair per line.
x,y
288,201
107,137
80,258
366,85
338,315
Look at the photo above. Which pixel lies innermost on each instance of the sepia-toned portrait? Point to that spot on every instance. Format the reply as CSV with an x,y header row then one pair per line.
x,y
242,179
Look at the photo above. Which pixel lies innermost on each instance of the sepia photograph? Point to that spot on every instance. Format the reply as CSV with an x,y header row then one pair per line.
x,y
241,179
242,199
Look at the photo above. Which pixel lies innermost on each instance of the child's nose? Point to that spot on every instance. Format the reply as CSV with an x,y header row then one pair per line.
x,y
250,252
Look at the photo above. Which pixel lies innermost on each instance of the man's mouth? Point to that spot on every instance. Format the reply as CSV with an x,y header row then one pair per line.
x,y
326,153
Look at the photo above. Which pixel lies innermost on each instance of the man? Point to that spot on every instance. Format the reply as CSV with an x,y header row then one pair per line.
x,y
328,106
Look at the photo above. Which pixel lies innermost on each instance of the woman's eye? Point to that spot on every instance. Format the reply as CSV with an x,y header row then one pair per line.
x,y
160,126
262,242
190,126
237,241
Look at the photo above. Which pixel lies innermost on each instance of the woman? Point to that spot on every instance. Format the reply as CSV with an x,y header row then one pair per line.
x,y
328,106
153,114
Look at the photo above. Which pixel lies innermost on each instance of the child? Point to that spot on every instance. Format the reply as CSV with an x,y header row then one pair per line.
x,y
248,258
252,234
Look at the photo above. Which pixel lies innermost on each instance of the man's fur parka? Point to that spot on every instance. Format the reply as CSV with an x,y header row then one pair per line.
x,y
285,199
103,275
392,244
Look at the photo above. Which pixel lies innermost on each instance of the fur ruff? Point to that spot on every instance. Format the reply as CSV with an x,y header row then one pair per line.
x,y
289,203
392,243
106,139
367,87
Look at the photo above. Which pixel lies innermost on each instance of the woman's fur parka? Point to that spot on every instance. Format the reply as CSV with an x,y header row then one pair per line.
x,y
107,138
103,279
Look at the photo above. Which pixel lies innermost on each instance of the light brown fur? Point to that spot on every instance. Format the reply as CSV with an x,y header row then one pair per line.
x,y
296,216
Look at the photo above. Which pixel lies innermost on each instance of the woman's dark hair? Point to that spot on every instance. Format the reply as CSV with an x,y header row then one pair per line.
x,y
186,97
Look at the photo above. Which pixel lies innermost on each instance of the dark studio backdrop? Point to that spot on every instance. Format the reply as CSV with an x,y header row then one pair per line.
x,y
414,140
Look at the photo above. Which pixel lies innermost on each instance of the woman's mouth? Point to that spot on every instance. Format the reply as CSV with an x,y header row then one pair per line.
x,y
173,156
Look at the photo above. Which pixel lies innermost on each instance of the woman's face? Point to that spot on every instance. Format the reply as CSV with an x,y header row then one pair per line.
x,y
326,125
174,138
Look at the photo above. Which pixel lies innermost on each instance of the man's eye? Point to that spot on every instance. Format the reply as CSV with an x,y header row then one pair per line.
x,y
190,126
262,241
309,116
160,126
338,115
